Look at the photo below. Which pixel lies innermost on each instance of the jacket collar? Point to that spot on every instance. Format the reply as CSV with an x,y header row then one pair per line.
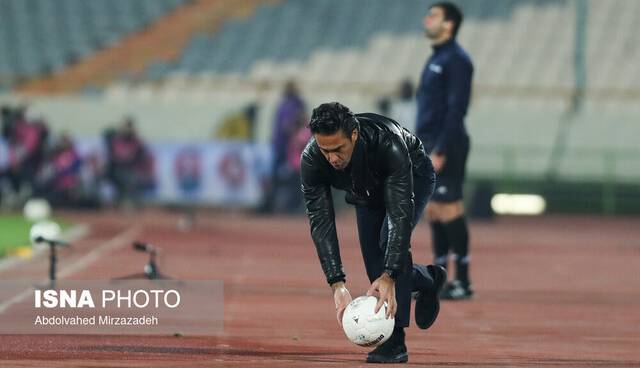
x,y
362,180
446,45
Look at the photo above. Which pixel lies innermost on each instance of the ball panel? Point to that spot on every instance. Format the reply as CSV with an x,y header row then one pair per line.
x,y
362,326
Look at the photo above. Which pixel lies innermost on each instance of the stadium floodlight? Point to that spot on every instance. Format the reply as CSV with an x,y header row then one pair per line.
x,y
518,204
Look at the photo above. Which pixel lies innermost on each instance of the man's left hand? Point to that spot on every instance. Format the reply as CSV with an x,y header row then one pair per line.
x,y
438,161
386,290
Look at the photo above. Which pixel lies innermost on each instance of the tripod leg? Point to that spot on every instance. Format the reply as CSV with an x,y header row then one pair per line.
x,y
52,265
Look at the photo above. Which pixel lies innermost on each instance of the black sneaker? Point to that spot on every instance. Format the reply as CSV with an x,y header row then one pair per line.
x,y
457,290
391,351
427,301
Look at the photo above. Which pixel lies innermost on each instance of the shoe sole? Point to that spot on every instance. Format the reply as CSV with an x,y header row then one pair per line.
x,y
379,359
440,277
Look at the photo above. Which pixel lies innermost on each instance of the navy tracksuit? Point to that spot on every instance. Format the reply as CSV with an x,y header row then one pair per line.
x,y
443,98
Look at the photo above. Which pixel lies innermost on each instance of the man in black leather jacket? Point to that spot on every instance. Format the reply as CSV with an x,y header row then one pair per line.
x,y
388,177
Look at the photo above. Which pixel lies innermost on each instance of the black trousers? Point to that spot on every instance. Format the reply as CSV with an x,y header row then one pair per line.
x,y
372,232
451,178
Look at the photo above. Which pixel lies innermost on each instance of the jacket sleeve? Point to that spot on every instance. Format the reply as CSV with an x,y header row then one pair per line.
x,y
319,207
459,74
398,197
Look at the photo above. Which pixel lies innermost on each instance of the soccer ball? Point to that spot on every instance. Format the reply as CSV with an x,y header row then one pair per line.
x,y
362,326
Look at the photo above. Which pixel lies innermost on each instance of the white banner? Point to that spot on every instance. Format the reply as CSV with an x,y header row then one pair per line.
x,y
212,173
219,173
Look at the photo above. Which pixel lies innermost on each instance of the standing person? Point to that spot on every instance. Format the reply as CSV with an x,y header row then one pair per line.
x,y
126,156
443,97
59,179
403,107
26,142
297,144
291,110
388,177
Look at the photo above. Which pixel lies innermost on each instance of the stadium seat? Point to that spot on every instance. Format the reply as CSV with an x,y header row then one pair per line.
x,y
47,36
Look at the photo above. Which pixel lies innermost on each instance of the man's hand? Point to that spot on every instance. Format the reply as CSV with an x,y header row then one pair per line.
x,y
438,161
342,298
385,288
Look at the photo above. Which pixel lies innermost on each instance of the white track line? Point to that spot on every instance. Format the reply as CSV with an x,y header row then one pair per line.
x,y
16,299
116,242
124,238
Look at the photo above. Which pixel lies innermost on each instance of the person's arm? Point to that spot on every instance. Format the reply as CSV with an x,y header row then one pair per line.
x,y
341,298
319,207
398,197
458,74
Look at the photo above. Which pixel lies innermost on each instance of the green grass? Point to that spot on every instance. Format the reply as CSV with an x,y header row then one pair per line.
x,y
14,232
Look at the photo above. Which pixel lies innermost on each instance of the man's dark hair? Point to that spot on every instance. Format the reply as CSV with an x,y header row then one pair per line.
x,y
451,13
330,117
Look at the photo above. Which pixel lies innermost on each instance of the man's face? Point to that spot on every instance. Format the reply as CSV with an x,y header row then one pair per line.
x,y
434,23
337,148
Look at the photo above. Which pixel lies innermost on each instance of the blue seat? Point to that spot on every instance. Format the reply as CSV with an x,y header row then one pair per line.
x,y
48,35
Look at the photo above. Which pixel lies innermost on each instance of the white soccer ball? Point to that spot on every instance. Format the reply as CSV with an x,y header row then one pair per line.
x,y
47,230
37,209
362,326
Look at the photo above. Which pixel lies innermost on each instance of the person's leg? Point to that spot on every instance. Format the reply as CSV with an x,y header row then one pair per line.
x,y
372,240
427,281
458,235
449,210
272,192
373,233
405,281
422,190
369,224
440,244
404,286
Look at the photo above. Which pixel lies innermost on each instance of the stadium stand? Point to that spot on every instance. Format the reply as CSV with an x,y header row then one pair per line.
x,y
356,51
150,47
42,37
522,44
523,52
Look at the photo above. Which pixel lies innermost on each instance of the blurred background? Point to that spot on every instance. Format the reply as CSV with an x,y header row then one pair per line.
x,y
204,102
176,126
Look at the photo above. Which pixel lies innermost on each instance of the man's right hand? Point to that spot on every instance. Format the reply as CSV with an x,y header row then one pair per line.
x,y
342,298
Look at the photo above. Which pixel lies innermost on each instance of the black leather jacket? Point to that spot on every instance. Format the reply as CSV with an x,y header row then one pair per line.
x,y
380,174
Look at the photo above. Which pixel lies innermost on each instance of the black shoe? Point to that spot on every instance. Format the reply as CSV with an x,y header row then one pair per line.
x,y
457,290
427,301
391,351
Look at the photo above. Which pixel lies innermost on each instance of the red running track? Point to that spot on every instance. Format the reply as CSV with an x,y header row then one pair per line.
x,y
551,292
